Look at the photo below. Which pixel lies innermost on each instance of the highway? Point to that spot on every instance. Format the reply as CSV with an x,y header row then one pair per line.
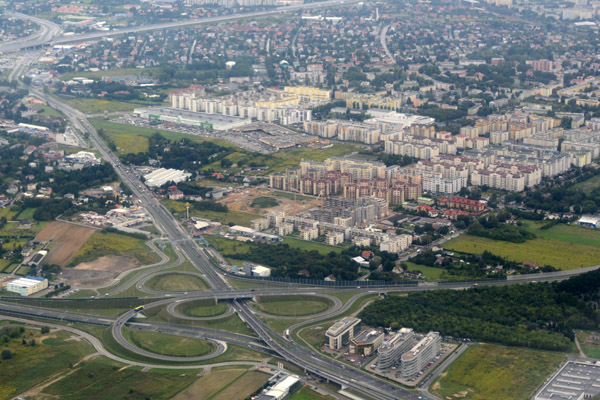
x,y
49,29
220,289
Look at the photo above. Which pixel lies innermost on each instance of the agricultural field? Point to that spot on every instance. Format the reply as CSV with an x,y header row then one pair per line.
x,y
224,384
32,364
169,345
101,378
493,372
176,283
109,243
67,240
558,253
292,306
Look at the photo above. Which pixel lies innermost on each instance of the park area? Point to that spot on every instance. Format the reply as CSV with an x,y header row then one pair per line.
x,y
492,372
563,246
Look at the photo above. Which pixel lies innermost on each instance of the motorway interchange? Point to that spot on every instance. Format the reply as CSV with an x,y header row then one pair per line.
x,y
266,340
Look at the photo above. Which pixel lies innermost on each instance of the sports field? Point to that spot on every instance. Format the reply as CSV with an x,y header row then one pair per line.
x,y
491,372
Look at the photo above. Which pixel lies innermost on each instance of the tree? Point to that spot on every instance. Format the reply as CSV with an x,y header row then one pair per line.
x,y
6,354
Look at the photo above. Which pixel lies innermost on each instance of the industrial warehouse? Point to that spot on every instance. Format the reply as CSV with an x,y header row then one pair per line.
x,y
574,381
27,286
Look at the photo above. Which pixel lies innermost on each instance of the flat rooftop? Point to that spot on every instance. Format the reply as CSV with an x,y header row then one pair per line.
x,y
367,337
572,381
193,115
342,325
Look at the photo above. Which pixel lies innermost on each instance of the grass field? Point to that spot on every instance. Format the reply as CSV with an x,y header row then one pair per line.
x,y
202,308
431,273
101,378
494,372
170,345
49,111
98,106
235,217
292,157
30,365
224,384
231,323
292,306
26,214
176,283
129,143
588,185
559,254
307,393
306,245
109,243
264,202
590,348
571,234
116,128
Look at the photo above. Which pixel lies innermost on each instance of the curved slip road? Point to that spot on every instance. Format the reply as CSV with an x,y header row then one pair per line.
x,y
172,309
95,342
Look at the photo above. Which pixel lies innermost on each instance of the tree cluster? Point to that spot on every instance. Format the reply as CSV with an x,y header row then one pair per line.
x,y
540,316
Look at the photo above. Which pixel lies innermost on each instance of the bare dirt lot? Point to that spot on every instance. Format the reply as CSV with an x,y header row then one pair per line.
x,y
97,273
66,240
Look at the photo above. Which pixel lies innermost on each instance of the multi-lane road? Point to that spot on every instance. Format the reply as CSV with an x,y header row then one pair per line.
x,y
185,247
49,30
